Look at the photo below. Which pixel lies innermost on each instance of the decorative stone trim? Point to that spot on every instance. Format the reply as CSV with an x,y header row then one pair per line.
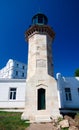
x,y
41,29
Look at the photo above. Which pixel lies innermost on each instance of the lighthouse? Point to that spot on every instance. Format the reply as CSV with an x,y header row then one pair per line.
x,y
41,101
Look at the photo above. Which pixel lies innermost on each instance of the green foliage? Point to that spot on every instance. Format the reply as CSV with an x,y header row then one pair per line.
x,y
64,128
12,121
77,72
60,119
77,117
77,114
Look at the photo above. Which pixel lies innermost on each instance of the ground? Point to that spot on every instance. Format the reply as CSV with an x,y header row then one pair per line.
x,y
40,126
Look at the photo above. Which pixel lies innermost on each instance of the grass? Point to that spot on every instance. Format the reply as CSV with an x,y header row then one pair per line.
x,y
12,121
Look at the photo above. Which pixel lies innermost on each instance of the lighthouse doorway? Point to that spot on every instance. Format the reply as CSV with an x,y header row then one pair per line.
x,y
41,99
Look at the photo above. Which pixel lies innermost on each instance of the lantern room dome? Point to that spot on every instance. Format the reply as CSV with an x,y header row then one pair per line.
x,y
39,19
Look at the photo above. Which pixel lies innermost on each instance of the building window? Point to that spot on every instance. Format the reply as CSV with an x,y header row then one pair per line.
x,y
78,91
16,73
23,67
40,19
68,94
22,74
12,93
17,65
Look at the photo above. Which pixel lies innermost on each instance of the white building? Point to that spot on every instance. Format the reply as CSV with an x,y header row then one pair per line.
x,y
12,94
13,70
12,85
68,93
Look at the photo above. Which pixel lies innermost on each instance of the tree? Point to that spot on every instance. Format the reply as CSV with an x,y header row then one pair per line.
x,y
77,72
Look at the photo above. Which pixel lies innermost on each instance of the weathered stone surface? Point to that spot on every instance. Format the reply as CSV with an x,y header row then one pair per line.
x,y
55,128
73,128
64,124
70,120
77,120
58,127
39,77
67,117
41,63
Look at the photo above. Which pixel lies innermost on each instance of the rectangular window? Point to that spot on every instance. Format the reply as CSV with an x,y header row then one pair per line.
x,y
17,65
40,20
16,73
12,93
22,74
78,91
23,67
68,94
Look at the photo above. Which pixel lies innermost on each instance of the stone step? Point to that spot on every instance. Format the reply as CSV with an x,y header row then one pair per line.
x,y
42,118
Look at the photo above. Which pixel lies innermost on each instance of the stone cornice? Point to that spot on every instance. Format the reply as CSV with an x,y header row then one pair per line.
x,y
12,80
44,29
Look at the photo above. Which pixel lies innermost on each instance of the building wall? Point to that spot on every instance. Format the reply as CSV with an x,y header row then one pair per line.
x,y
5,99
13,69
20,85
68,99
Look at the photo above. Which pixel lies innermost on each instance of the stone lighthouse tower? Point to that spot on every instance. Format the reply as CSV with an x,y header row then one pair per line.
x,y
41,88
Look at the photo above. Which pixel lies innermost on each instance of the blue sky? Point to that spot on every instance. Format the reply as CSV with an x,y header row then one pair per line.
x,y
63,16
